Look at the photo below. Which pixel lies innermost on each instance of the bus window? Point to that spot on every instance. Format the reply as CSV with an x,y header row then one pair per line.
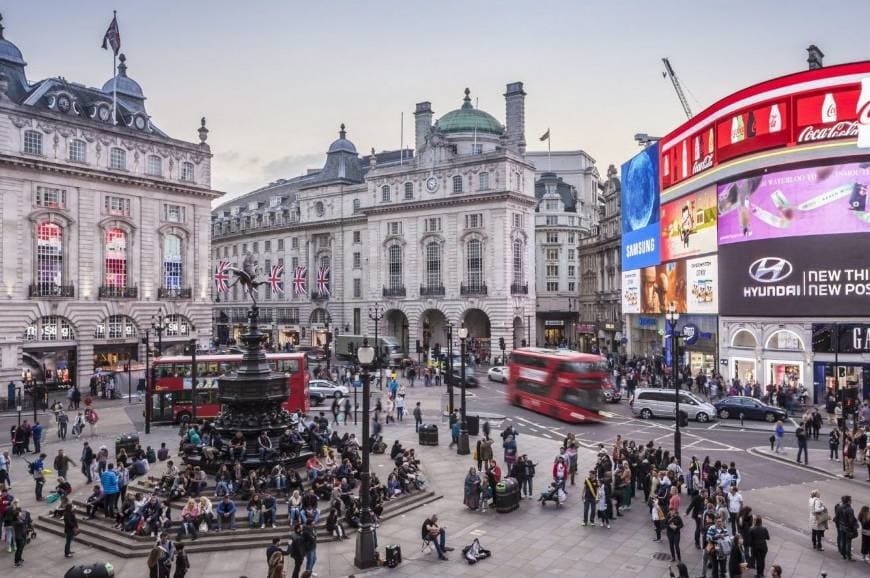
x,y
529,361
582,367
533,388
579,397
288,365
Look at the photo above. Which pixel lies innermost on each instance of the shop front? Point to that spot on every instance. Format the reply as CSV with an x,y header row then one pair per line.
x,y
288,336
608,335
700,352
55,366
770,353
841,359
587,339
557,328
113,356
645,334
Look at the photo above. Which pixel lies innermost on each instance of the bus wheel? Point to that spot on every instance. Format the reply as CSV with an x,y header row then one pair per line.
x,y
518,401
645,414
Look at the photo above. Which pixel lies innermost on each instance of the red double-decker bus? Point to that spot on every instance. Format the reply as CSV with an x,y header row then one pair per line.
x,y
171,394
562,384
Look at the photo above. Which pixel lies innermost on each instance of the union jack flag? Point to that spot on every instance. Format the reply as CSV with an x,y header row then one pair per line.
x,y
221,276
323,280
299,276
275,281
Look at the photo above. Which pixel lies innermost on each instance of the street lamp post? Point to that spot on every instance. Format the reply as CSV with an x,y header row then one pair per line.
x,y
193,379
30,386
18,403
159,326
376,313
673,317
326,339
462,447
148,380
448,375
366,556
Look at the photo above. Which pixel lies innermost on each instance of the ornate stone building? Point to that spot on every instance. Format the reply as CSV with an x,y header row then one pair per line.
x,y
443,234
104,222
600,301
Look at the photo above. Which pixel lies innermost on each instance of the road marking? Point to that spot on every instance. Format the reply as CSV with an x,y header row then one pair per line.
x,y
791,465
547,436
713,426
791,419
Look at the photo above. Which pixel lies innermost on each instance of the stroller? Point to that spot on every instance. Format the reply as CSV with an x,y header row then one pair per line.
x,y
553,493
474,552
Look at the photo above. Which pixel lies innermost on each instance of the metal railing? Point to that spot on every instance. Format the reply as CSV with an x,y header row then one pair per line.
x,y
174,293
51,290
519,289
394,291
477,289
112,292
319,296
434,290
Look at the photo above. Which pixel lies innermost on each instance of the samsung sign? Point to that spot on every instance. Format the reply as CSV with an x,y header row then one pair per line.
x,y
641,211
799,276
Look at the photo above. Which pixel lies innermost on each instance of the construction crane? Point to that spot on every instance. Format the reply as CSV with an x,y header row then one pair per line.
x,y
669,72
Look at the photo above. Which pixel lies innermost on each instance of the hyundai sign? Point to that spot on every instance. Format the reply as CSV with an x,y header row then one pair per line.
x,y
641,242
801,276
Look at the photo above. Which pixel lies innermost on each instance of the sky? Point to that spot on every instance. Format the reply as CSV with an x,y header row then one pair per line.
x,y
275,79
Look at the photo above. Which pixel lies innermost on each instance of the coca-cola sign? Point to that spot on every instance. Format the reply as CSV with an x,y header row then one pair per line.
x,y
703,164
845,129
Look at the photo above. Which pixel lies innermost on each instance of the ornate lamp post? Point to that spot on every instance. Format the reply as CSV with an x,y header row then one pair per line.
x,y
448,374
30,387
149,381
159,326
365,556
672,318
18,403
376,313
462,447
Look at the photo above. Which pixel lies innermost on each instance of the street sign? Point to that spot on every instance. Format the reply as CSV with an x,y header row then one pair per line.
x,y
691,333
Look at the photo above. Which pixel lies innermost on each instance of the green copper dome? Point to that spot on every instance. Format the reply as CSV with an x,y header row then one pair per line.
x,y
468,119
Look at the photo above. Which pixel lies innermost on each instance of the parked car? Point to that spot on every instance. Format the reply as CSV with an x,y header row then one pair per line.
x,y
316,398
656,402
751,408
327,388
498,373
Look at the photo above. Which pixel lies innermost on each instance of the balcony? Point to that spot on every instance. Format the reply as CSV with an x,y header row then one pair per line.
x,y
394,291
476,289
432,291
319,295
51,290
113,292
519,289
174,293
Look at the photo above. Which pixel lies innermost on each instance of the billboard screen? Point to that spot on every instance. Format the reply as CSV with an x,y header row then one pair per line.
x,y
799,202
631,291
640,210
662,285
799,276
702,280
688,225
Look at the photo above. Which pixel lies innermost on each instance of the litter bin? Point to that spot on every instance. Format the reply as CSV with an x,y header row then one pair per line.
x,y
473,424
99,570
126,442
507,495
428,435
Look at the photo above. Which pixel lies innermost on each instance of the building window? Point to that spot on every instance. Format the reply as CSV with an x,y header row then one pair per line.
x,y
32,142
474,221
294,262
394,267
116,258
78,151
394,228
324,262
570,254
572,286
433,264
476,148
518,220
256,247
267,246
552,286
116,327
280,244
357,236
484,181
409,191
49,255
154,166
552,270
571,238
432,224
571,271
552,254
118,206
50,328
518,262
552,220
474,263
118,159
357,260
50,198
173,213
172,267
385,193
356,205
357,288
294,242
177,326
552,237
235,250
457,184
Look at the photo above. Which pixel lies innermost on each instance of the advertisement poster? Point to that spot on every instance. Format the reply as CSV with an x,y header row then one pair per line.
x,y
631,291
795,203
689,225
640,210
663,285
703,284
799,276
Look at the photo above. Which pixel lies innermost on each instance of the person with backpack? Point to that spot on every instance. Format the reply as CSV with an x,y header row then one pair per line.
x,y
37,468
719,543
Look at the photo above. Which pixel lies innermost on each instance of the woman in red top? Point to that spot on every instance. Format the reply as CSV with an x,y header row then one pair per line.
x,y
560,470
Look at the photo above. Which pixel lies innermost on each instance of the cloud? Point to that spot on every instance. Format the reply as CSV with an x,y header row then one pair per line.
x,y
237,174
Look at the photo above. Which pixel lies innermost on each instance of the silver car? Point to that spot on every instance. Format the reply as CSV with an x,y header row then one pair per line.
x,y
327,388
655,402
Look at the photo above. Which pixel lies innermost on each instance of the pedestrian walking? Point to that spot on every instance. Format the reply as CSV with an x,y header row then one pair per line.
x,y
309,537
864,522
167,556
801,435
297,550
37,469
36,434
778,434
590,497
418,417
834,445
182,562
336,409
347,410
70,529
20,524
62,463
400,407
758,538
819,519
62,422
109,484
847,526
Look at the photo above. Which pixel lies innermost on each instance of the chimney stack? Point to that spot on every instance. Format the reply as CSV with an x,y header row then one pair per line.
x,y
515,117
814,57
422,125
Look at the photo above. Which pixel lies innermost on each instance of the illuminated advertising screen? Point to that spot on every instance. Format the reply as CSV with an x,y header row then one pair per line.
x,y
631,291
814,275
800,202
688,225
663,285
640,210
702,281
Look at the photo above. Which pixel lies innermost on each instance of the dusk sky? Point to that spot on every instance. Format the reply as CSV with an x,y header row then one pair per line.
x,y
275,79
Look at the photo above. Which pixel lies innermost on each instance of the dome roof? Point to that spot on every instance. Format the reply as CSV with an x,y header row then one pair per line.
x,y
468,119
8,51
342,144
126,85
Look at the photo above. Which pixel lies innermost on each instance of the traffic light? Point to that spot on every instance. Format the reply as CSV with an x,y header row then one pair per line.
x,y
501,343
419,347
437,350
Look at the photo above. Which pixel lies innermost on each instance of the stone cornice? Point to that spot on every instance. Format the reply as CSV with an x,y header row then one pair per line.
x,y
273,230
442,203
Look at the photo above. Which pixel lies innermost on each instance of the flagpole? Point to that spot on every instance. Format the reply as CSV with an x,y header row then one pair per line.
x,y
549,158
402,139
114,88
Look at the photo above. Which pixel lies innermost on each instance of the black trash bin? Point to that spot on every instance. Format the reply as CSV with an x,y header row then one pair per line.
x,y
126,442
428,435
99,570
507,495
473,424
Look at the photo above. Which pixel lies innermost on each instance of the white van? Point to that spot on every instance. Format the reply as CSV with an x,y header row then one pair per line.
x,y
655,402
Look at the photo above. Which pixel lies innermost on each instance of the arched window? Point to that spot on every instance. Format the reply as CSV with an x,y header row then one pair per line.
x,y
116,327
409,190
385,193
32,142
116,258
177,326
187,172
172,264
474,263
320,315
78,151
50,328
433,265
744,338
118,159
785,340
484,181
394,267
457,184
519,269
49,257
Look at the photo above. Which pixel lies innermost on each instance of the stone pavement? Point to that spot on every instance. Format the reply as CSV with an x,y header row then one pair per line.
x,y
532,541
819,460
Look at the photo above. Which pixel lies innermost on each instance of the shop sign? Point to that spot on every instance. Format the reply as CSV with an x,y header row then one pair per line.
x,y
585,328
609,327
554,323
691,333
648,322
841,338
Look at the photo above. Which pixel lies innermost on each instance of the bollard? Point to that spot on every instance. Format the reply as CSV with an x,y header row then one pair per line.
x,y
741,419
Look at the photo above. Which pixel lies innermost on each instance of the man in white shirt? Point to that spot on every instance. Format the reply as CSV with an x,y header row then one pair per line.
x,y
735,503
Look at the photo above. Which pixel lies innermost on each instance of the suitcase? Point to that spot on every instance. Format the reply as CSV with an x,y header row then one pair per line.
x,y
394,556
